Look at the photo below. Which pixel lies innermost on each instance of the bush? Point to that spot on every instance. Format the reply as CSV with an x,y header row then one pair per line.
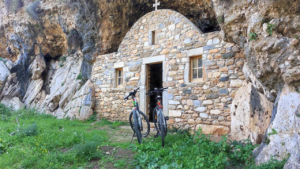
x,y
30,130
4,145
13,5
79,77
5,112
252,36
31,10
88,151
270,28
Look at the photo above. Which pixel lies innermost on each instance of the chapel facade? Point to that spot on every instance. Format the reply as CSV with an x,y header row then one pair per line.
x,y
165,49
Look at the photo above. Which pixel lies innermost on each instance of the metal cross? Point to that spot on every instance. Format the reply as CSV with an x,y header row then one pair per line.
x,y
156,5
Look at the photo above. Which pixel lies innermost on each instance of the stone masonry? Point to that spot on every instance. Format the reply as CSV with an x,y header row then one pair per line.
x,y
189,104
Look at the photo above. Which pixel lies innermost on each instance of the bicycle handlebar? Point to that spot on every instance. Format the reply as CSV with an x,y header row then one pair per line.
x,y
131,94
156,91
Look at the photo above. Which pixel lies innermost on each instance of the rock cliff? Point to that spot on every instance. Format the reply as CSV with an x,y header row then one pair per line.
x,y
49,48
269,32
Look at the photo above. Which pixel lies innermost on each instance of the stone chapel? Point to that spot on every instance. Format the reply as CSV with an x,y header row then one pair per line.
x,y
165,49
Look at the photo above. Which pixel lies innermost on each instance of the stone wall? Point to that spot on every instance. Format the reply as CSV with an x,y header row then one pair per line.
x,y
190,105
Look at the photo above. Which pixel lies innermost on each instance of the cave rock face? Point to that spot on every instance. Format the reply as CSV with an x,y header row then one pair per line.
x,y
250,114
283,133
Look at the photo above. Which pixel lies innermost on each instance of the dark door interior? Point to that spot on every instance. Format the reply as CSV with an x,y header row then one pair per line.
x,y
155,81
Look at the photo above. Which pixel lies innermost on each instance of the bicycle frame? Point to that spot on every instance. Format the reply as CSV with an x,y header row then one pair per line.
x,y
136,110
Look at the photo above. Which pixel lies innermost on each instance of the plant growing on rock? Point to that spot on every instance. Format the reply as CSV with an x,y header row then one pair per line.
x,y
31,10
221,19
270,28
79,77
252,36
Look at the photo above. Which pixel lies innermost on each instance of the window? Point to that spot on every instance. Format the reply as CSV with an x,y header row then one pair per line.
x,y
119,77
196,69
153,38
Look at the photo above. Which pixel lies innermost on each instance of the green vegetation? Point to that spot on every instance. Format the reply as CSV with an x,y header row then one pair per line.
x,y
79,77
274,132
63,58
29,139
270,28
252,36
221,19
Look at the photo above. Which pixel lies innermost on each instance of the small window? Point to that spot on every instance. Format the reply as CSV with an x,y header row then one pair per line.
x,y
153,38
196,69
119,77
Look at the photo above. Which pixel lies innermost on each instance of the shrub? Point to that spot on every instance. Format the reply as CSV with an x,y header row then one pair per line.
x,y
270,28
252,36
31,10
30,130
4,145
5,112
63,58
13,5
79,77
88,151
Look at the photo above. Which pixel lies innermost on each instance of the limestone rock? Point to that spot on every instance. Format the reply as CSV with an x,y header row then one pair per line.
x,y
85,113
250,114
213,129
12,86
9,64
37,67
85,97
16,104
283,133
4,72
33,89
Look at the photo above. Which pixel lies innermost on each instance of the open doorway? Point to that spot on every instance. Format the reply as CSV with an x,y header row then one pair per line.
x,y
154,80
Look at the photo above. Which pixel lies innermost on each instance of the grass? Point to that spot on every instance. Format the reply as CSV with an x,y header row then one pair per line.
x,y
46,142
29,139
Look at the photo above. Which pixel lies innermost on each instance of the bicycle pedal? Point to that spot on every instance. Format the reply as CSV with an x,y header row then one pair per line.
x,y
167,118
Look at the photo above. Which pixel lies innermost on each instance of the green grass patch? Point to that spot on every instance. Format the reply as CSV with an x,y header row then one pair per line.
x,y
183,150
29,139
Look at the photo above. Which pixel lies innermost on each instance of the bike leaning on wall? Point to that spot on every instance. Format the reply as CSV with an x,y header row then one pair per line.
x,y
160,120
138,118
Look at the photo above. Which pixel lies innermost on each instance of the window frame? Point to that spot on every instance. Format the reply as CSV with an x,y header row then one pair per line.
x,y
119,78
153,37
202,79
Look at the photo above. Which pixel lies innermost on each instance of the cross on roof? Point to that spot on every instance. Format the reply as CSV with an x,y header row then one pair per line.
x,y
156,4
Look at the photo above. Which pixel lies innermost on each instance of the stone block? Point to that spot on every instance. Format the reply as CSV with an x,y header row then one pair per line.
x,y
207,102
212,95
197,103
174,102
201,109
213,129
223,91
187,91
175,113
215,112
236,83
204,115
223,79
228,55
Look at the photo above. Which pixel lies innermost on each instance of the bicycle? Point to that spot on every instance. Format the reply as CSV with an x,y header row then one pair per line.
x,y
160,121
136,120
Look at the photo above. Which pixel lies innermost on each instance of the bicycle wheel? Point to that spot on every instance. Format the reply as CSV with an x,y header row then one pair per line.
x,y
137,128
156,125
145,130
161,128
